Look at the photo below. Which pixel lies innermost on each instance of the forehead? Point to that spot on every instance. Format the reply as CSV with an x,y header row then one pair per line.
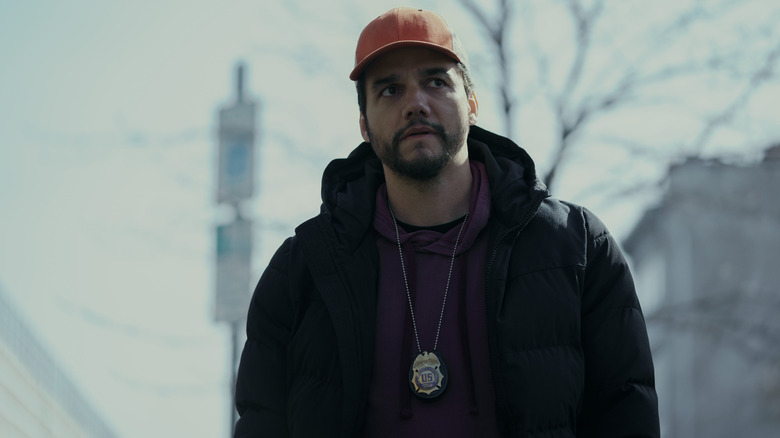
x,y
408,60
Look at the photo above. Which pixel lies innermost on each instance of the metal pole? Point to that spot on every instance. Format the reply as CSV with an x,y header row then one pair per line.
x,y
234,327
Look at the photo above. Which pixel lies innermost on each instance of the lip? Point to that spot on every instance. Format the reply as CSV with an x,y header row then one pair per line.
x,y
418,131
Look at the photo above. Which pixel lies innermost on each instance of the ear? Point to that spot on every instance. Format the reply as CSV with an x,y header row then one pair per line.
x,y
473,109
364,128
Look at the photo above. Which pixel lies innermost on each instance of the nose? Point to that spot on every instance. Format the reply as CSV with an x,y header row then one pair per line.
x,y
416,103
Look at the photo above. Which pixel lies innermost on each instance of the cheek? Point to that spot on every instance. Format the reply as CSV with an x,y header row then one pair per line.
x,y
377,127
465,115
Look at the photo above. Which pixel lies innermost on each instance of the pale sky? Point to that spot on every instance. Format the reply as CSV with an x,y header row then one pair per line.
x,y
107,119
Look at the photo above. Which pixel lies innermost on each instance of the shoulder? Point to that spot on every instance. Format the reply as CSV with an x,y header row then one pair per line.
x,y
565,231
572,219
284,255
560,219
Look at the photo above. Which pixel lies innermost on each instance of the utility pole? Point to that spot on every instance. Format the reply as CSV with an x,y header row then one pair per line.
x,y
235,185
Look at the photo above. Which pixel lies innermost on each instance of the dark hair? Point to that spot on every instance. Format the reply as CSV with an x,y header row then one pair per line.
x,y
360,84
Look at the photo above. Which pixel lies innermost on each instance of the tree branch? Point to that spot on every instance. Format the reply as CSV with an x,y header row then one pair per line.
x,y
497,31
757,79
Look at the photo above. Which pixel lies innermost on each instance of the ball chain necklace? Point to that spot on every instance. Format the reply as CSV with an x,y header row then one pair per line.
x,y
428,376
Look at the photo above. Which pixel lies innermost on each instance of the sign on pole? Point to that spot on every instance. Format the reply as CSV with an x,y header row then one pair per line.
x,y
234,255
235,175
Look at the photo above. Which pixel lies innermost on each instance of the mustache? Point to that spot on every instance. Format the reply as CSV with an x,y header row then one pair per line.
x,y
419,122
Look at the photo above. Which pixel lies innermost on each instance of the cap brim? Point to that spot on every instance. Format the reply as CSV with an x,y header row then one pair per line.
x,y
358,70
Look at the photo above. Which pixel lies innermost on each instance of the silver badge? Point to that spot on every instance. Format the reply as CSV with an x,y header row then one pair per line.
x,y
428,375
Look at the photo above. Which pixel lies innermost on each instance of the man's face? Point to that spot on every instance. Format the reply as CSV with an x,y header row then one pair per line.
x,y
417,112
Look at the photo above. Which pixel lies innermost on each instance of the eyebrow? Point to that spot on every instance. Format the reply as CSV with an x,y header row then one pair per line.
x,y
389,79
435,71
381,82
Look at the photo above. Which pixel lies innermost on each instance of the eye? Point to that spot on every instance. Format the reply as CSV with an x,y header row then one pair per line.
x,y
390,91
437,83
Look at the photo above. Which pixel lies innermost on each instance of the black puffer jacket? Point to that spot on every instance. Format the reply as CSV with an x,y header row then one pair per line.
x,y
568,344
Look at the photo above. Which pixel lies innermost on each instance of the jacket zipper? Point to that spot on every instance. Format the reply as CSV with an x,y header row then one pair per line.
x,y
492,339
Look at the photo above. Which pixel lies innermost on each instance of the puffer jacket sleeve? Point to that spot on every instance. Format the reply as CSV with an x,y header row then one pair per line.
x,y
261,386
620,398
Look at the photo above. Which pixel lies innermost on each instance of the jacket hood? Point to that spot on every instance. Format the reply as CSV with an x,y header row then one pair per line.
x,y
349,184
511,171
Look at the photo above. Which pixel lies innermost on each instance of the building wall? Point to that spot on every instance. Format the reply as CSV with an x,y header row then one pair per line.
x,y
26,410
37,400
709,258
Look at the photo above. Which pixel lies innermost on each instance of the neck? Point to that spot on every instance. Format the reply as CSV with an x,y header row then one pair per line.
x,y
439,201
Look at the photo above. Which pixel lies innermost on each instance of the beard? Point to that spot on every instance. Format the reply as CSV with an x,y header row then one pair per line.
x,y
423,168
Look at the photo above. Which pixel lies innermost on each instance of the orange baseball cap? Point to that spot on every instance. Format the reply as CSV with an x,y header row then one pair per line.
x,y
405,27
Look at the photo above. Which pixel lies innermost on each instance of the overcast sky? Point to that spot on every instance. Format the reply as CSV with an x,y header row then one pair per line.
x,y
107,146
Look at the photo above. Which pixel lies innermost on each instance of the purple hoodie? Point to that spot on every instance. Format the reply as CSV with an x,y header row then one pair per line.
x,y
467,407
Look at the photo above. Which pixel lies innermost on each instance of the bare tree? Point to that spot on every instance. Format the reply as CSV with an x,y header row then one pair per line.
x,y
565,77
497,33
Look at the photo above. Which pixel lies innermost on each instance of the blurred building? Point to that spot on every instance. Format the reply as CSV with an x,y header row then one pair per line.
x,y
37,400
707,262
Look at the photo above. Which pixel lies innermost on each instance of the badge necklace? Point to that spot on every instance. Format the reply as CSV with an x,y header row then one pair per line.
x,y
428,376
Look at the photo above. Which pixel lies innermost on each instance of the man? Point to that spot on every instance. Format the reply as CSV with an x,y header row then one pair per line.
x,y
441,291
